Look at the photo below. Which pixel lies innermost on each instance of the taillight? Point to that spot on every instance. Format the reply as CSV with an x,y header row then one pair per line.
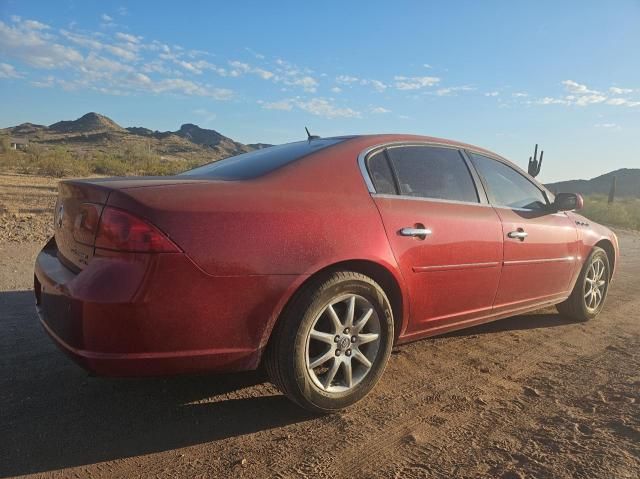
x,y
122,231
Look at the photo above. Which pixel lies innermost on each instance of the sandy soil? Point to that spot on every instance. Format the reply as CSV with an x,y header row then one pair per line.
x,y
529,396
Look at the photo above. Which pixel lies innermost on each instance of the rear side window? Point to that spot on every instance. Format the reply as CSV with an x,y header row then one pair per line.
x,y
432,172
381,174
507,187
260,162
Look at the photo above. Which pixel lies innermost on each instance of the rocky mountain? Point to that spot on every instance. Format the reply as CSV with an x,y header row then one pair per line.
x,y
96,132
91,122
627,184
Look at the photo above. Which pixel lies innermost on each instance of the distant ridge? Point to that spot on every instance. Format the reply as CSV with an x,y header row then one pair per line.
x,y
627,184
91,122
96,132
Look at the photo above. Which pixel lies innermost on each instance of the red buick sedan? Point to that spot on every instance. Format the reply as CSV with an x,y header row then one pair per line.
x,y
312,258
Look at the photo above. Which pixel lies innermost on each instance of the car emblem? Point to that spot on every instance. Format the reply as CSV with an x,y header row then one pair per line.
x,y
60,215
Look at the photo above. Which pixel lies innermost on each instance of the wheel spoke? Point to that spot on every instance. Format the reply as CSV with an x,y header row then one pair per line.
x,y
320,360
357,354
588,293
337,324
323,337
363,320
348,373
331,373
367,337
348,323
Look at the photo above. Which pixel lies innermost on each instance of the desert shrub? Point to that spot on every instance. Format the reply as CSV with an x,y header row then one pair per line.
x,y
624,212
108,165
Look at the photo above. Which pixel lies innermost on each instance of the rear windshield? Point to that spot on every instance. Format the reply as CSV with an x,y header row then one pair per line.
x,y
260,162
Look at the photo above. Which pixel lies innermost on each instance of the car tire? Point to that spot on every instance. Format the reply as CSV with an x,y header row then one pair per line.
x,y
590,291
332,342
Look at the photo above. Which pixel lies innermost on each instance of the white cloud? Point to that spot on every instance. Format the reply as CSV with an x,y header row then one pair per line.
x,y
47,82
350,80
8,71
415,83
126,37
336,89
607,125
316,106
620,91
188,87
577,88
552,101
581,95
376,84
308,84
492,93
426,65
106,17
380,109
520,94
35,47
347,79
449,91
121,52
324,108
583,100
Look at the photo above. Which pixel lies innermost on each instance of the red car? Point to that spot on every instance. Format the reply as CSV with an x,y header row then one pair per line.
x,y
312,258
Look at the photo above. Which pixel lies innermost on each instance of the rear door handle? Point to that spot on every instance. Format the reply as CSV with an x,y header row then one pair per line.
x,y
519,234
421,233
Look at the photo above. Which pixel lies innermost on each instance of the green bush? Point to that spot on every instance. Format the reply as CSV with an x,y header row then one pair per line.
x,y
624,212
130,159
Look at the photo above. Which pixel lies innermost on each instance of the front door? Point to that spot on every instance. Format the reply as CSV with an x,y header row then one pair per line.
x,y
446,240
540,246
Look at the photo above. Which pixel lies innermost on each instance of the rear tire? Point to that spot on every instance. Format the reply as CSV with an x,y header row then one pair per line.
x,y
590,291
332,342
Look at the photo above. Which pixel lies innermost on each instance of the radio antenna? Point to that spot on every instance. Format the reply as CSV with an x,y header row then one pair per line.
x,y
309,135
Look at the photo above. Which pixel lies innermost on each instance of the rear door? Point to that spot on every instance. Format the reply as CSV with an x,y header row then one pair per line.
x,y
540,246
445,236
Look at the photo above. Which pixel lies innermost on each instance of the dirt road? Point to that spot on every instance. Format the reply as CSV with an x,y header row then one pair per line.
x,y
530,396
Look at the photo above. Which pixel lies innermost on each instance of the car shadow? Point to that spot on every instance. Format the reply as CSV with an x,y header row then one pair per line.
x,y
546,318
53,415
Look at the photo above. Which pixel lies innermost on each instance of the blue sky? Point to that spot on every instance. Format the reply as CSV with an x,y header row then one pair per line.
x,y
502,75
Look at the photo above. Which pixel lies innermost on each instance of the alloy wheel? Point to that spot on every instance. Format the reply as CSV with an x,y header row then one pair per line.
x,y
595,285
343,343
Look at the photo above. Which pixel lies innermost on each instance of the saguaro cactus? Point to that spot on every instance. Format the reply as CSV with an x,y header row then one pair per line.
x,y
612,190
534,163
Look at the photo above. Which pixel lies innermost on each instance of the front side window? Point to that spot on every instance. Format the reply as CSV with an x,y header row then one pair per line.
x,y
432,172
507,187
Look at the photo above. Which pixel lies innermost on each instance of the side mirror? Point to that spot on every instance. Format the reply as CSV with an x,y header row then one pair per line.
x,y
568,202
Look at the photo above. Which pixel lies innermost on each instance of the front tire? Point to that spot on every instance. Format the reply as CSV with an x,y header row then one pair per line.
x,y
332,343
589,293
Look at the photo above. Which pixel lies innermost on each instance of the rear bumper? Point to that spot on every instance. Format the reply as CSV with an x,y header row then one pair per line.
x,y
140,315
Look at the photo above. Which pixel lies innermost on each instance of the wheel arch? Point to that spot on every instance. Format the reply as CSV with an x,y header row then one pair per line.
x,y
380,273
608,248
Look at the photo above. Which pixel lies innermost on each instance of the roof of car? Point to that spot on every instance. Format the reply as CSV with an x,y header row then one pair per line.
x,y
383,138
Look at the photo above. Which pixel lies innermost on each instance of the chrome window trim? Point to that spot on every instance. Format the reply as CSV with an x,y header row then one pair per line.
x,y
362,163
422,198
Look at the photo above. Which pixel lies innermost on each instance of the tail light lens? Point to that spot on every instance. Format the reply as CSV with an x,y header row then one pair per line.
x,y
122,231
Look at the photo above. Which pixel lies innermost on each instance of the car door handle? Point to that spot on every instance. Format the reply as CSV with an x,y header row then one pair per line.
x,y
520,234
421,233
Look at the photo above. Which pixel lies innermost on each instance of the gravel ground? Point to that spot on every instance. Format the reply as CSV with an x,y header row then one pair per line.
x,y
529,396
